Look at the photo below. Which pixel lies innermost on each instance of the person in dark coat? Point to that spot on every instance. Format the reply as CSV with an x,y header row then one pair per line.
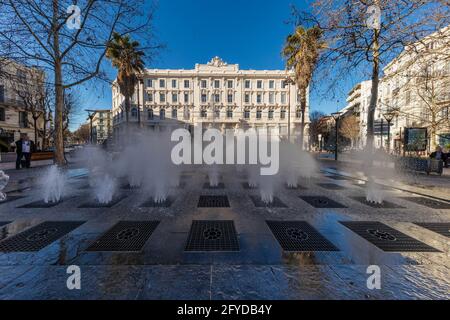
x,y
24,148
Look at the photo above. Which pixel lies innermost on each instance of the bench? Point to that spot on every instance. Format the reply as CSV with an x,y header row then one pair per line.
x,y
42,155
419,164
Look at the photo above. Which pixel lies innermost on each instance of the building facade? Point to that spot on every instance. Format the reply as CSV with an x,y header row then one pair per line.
x,y
216,94
101,126
20,88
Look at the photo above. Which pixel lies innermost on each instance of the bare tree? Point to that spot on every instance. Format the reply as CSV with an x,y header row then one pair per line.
x,y
315,126
82,134
69,41
349,128
362,36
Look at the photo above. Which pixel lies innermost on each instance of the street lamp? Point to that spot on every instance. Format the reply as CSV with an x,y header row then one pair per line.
x,y
389,115
336,116
288,80
320,141
91,114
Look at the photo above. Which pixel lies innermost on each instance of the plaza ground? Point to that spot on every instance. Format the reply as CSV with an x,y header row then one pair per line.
x,y
260,269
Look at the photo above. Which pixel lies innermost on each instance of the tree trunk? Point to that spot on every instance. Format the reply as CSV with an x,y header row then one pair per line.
x,y
374,90
303,108
35,131
59,90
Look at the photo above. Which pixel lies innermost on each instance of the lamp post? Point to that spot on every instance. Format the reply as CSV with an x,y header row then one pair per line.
x,y
389,115
336,116
288,80
91,114
320,141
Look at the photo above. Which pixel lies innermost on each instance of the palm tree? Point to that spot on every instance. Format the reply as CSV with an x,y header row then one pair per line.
x,y
301,51
127,58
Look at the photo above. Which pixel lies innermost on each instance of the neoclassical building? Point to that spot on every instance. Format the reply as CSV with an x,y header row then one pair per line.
x,y
215,94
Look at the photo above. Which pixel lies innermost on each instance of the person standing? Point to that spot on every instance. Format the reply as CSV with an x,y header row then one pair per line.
x,y
24,148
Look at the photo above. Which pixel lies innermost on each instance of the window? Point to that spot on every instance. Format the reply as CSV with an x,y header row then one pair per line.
x,y
216,97
174,97
271,97
23,119
162,114
150,97
298,113
204,98
203,84
283,84
186,113
174,83
186,98
150,83
174,113
247,98
229,113
2,93
150,114
259,98
271,84
230,98
247,84
283,114
134,112
270,115
203,113
283,98
259,84
216,84
230,84
258,114
162,97
162,83
186,84
2,114
246,114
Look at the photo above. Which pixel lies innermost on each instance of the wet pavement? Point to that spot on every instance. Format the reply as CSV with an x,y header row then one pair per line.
x,y
163,269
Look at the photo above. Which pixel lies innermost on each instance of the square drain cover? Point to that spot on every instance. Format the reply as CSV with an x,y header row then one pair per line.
x,y
212,235
427,202
276,203
213,202
2,223
41,204
443,228
125,236
245,185
387,238
38,237
150,203
11,198
299,236
383,205
96,204
322,202
206,185
331,186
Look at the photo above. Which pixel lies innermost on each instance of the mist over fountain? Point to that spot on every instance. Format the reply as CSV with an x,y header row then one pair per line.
x,y
53,184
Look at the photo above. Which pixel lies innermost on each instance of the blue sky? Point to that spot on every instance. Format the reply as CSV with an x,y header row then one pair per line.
x,y
248,32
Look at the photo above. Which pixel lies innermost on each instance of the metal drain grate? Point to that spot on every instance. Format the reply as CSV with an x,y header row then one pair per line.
x,y
338,177
213,202
206,185
245,185
125,236
11,198
298,187
299,236
331,186
384,205
276,203
212,235
3,223
322,202
387,238
427,202
442,228
38,237
41,204
96,204
150,203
